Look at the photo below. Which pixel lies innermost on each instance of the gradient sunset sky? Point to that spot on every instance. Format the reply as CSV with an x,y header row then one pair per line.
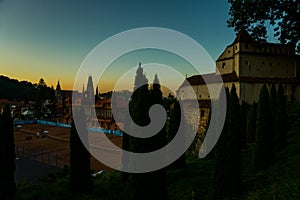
x,y
50,39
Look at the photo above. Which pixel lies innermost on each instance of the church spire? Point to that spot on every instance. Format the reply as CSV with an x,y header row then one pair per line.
x,y
90,88
58,86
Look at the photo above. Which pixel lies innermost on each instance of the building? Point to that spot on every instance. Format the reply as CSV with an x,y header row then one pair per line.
x,y
248,65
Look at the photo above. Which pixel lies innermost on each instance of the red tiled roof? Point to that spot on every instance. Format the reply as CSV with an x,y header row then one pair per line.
x,y
232,77
211,78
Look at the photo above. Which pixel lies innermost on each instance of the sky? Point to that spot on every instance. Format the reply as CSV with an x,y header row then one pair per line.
x,y
50,39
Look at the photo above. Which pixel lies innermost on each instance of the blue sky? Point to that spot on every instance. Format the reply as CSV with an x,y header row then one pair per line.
x,y
50,39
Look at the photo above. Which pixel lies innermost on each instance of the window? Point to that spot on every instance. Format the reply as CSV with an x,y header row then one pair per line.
x,y
228,51
223,65
246,46
263,62
247,62
200,96
236,47
108,114
202,113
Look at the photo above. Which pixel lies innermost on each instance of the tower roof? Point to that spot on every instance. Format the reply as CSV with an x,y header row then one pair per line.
x,y
243,36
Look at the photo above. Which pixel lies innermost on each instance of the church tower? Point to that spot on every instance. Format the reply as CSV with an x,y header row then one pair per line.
x,y
90,89
58,94
89,94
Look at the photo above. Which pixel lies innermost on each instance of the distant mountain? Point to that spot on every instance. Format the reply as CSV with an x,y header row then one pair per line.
x,y
19,90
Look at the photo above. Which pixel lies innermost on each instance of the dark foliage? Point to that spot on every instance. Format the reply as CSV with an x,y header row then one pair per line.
x,y
273,101
251,123
80,172
151,185
280,16
7,155
227,168
263,153
280,120
172,129
243,124
23,90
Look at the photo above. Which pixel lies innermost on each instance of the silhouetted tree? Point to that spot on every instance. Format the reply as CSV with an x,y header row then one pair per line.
x,y
263,153
138,108
151,185
251,123
155,182
221,155
7,155
13,89
280,120
173,126
97,94
227,170
273,102
80,172
243,124
279,16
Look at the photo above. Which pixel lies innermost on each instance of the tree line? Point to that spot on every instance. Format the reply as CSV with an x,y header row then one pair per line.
x,y
264,129
24,90
261,125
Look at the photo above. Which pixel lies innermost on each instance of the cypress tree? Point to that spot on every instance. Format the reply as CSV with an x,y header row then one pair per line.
x,y
221,157
7,155
151,185
173,125
280,120
80,171
227,169
139,108
263,152
155,182
136,185
251,123
243,124
273,101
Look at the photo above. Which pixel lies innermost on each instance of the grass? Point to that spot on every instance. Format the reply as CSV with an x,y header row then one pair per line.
x,y
280,181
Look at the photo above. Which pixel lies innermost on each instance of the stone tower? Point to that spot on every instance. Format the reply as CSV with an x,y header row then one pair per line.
x,y
58,94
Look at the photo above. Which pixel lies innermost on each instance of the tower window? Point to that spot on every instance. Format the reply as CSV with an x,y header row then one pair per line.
x,y
223,65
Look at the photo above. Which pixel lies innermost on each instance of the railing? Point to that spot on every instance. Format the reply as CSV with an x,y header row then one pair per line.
x,y
39,154
92,129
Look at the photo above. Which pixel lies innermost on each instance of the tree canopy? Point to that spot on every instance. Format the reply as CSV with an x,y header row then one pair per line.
x,y
262,18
